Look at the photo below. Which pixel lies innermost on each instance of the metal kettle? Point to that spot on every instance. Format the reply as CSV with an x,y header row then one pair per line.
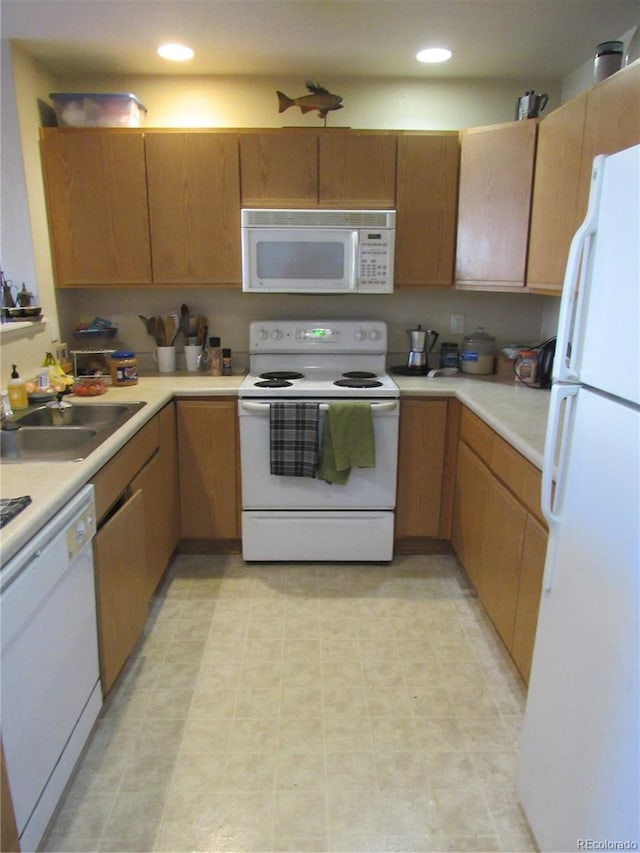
x,y
530,105
421,342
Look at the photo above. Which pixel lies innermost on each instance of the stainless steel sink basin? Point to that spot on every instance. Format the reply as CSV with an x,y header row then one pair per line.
x,y
97,415
38,439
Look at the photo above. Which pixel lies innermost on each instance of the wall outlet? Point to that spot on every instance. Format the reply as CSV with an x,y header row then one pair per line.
x,y
457,324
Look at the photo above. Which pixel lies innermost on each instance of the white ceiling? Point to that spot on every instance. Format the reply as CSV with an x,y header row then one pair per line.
x,y
323,39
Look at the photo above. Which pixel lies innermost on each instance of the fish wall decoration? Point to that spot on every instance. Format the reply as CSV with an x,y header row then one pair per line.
x,y
319,99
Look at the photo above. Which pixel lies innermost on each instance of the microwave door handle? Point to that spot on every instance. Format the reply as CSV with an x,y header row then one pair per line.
x,y
354,272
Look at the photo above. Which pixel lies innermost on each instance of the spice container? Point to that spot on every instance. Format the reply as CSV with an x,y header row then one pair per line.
x,y
526,366
449,355
478,352
124,368
226,362
216,357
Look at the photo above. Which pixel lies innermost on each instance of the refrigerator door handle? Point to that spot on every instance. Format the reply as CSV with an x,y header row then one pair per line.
x,y
565,368
556,447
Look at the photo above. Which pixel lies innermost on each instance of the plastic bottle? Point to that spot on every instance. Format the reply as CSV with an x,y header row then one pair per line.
x,y
216,357
17,391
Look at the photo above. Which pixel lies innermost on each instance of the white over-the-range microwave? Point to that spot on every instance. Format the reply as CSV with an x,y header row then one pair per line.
x,y
317,251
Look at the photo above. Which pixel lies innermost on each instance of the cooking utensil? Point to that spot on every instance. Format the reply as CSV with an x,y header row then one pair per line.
x,y
201,329
204,359
159,332
185,321
149,324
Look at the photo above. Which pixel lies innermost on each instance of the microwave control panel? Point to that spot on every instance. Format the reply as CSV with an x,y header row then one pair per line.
x,y
375,261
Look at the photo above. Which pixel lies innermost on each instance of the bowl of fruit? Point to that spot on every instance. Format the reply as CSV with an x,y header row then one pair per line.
x,y
89,386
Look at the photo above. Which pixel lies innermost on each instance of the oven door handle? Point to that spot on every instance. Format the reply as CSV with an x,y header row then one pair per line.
x,y
263,408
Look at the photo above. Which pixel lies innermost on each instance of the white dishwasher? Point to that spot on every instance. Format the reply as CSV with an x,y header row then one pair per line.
x,y
49,673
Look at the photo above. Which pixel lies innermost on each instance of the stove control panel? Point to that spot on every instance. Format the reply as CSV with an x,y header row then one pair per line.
x,y
334,335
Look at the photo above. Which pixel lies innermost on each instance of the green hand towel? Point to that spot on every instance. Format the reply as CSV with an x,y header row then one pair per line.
x,y
347,441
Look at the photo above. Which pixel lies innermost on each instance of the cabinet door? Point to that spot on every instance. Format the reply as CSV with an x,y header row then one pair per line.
x,y
96,194
8,830
279,169
502,542
121,588
420,467
470,512
496,176
208,466
531,571
612,122
158,481
357,170
194,207
426,204
556,209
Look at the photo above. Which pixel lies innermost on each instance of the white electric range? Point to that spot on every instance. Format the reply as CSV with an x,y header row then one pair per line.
x,y
304,517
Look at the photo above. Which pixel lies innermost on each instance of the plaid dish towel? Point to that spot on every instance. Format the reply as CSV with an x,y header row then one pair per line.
x,y
10,507
293,439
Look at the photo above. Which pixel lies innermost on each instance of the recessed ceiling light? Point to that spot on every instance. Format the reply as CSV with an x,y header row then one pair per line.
x,y
434,54
176,52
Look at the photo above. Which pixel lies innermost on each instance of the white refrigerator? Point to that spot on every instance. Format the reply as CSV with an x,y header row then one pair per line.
x,y
578,775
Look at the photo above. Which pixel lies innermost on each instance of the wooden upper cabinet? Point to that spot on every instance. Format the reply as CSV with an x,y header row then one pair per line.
x,y
279,169
96,192
612,121
357,169
496,178
426,203
194,207
603,120
557,207
302,168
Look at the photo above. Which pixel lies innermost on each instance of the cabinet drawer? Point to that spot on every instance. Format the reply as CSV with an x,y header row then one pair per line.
x,y
477,435
111,480
517,474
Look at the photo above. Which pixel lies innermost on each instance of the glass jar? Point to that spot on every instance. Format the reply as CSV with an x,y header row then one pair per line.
x,y
449,355
124,368
478,352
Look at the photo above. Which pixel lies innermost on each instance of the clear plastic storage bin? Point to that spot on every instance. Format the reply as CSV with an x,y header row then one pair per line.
x,y
83,109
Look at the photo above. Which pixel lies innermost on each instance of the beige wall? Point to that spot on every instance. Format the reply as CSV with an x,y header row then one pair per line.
x,y
251,102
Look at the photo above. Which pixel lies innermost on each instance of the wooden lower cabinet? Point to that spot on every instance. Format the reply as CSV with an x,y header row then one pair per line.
x,y
9,842
158,481
503,534
534,549
121,588
426,469
498,535
209,472
470,511
137,512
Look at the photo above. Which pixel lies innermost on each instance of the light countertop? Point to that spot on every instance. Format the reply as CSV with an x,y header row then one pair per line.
x,y
517,413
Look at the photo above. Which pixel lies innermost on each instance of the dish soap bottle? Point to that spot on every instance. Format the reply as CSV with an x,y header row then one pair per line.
x,y
17,391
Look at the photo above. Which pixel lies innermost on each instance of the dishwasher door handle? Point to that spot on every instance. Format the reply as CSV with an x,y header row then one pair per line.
x,y
263,408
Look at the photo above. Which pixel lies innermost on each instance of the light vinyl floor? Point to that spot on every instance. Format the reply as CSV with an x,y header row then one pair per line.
x,y
305,707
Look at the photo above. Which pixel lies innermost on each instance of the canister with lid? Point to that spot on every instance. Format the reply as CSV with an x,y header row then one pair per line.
x,y
478,352
449,354
124,368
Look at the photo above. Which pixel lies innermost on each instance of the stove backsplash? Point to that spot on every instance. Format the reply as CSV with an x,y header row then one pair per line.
x,y
510,317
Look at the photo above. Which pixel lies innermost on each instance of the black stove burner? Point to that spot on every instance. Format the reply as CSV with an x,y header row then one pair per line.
x,y
357,383
282,374
273,383
359,374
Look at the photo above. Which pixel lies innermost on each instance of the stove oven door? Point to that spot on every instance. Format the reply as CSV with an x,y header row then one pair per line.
x,y
366,488
301,518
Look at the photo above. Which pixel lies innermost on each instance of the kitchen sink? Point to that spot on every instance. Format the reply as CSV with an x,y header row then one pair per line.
x,y
37,439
